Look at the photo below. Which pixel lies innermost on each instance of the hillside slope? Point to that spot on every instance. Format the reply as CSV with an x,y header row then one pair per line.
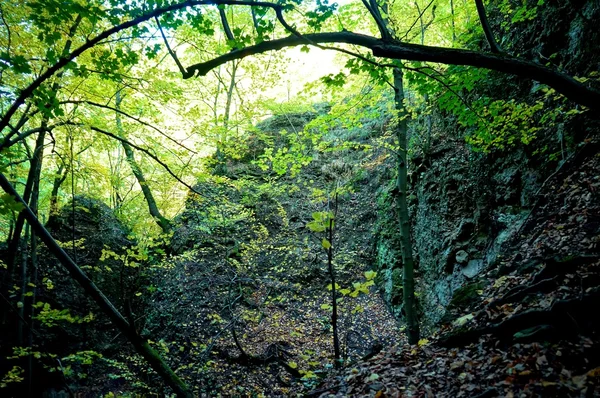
x,y
532,331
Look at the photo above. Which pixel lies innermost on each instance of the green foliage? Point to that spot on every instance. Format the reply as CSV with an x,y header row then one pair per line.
x,y
288,159
368,66
51,317
360,287
519,12
74,365
321,222
337,80
322,11
15,375
489,124
8,204
508,123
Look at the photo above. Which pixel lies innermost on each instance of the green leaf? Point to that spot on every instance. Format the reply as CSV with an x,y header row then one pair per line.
x,y
315,226
326,244
370,275
337,287
8,203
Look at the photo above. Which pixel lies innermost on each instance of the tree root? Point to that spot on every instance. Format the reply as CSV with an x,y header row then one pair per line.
x,y
546,279
520,292
565,318
275,353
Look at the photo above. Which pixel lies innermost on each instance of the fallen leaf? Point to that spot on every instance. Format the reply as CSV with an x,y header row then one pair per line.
x,y
456,365
594,372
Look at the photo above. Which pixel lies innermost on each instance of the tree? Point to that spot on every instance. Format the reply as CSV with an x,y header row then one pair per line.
x,y
162,222
32,60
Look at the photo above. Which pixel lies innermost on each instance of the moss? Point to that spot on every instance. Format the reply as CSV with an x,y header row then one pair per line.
x,y
396,292
462,299
466,295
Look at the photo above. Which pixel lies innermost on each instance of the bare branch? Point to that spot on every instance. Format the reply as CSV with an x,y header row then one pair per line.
x,y
150,154
171,52
132,118
417,20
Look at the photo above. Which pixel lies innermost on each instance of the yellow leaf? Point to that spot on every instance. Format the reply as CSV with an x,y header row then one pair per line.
x,y
548,383
423,342
292,365
594,372
463,320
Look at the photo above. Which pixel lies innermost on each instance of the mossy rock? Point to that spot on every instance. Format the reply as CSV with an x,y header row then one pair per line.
x,y
462,299
94,227
466,295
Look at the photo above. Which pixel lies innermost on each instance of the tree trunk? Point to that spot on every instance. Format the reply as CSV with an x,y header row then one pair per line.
x,y
408,282
58,180
162,222
29,300
33,169
23,289
489,35
334,314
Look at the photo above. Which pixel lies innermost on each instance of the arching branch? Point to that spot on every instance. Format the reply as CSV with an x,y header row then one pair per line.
x,y
561,82
67,58
20,136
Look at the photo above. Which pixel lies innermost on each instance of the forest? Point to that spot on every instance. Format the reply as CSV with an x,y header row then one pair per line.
x,y
247,198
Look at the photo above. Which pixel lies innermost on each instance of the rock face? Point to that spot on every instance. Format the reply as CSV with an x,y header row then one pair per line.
x,y
465,206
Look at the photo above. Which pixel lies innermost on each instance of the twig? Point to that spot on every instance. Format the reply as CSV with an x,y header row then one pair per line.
x,y
147,152
171,52
132,118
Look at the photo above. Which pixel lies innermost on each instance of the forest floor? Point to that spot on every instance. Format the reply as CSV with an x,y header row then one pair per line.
x,y
283,331
534,330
